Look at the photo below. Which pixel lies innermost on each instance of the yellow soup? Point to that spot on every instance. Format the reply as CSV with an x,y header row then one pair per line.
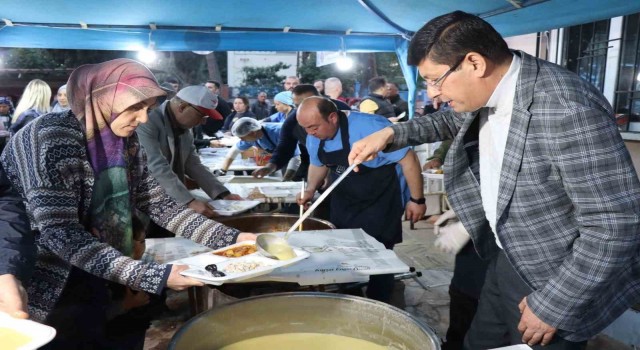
x,y
11,339
306,341
282,251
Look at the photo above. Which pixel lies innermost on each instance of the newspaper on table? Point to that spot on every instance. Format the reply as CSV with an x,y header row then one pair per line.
x,y
337,256
163,250
214,161
265,192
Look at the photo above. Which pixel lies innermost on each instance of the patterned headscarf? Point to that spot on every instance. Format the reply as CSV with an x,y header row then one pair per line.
x,y
97,94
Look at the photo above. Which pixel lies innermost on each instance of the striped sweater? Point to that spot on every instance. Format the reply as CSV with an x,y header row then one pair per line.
x,y
47,164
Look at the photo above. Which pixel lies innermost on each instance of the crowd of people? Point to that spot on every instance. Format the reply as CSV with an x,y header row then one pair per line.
x,y
545,200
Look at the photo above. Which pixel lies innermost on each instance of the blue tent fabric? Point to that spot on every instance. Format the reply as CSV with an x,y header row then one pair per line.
x,y
192,23
410,73
274,25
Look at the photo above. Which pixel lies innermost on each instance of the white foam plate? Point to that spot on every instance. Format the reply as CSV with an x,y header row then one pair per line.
x,y
228,208
197,265
39,334
515,347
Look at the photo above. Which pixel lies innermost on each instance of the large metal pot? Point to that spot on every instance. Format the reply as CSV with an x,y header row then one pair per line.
x,y
325,313
262,223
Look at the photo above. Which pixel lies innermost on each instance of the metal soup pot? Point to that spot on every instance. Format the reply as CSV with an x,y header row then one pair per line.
x,y
325,313
263,223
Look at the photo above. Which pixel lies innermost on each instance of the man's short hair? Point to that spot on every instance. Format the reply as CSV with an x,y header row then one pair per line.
x,y
447,38
304,89
377,83
318,80
326,107
214,82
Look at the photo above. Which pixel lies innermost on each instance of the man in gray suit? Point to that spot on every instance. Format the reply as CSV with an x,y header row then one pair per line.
x,y
171,154
540,179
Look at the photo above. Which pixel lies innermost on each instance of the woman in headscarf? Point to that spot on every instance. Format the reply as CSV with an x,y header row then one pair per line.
x,y
63,104
33,103
283,102
81,174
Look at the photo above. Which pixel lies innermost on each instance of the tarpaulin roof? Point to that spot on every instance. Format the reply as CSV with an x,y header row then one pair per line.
x,y
313,25
274,25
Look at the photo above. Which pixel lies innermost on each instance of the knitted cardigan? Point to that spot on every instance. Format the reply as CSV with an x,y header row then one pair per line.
x,y
47,164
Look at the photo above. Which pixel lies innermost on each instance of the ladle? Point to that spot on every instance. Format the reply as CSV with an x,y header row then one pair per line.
x,y
275,247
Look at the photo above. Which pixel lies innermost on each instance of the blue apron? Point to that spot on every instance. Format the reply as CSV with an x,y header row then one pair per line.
x,y
369,199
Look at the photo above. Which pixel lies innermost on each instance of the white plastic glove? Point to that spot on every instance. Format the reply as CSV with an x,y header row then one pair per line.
x,y
452,236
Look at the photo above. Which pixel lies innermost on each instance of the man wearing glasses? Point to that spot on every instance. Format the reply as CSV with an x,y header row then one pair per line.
x,y
171,154
539,178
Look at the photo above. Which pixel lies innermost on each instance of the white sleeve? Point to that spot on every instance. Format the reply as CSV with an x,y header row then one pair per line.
x,y
233,152
294,163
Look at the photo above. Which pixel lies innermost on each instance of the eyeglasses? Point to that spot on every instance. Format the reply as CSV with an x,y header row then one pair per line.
x,y
436,84
202,115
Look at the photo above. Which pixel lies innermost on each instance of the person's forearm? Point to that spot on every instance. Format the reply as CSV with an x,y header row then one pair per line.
x,y
412,174
438,126
231,156
315,177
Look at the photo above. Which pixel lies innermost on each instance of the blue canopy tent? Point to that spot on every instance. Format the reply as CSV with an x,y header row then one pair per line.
x,y
274,25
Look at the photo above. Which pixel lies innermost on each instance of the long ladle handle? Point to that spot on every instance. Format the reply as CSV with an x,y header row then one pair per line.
x,y
320,199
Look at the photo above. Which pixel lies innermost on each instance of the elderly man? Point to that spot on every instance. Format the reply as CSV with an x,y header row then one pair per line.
x,y
376,102
260,108
168,141
540,179
333,89
372,199
264,136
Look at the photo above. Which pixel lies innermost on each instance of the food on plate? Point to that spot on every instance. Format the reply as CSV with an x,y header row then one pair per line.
x,y
11,339
213,269
242,266
238,251
256,194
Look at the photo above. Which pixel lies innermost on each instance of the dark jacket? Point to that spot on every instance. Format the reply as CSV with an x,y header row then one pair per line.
x,y
23,119
385,108
260,110
399,106
229,120
17,247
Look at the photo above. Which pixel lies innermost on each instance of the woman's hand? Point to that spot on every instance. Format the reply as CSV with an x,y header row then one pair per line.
x,y
13,298
246,236
178,282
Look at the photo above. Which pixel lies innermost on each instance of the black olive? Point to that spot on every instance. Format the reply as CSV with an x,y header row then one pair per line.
x,y
211,268
218,274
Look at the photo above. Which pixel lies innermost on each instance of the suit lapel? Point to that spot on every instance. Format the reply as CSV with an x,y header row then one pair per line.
x,y
518,129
